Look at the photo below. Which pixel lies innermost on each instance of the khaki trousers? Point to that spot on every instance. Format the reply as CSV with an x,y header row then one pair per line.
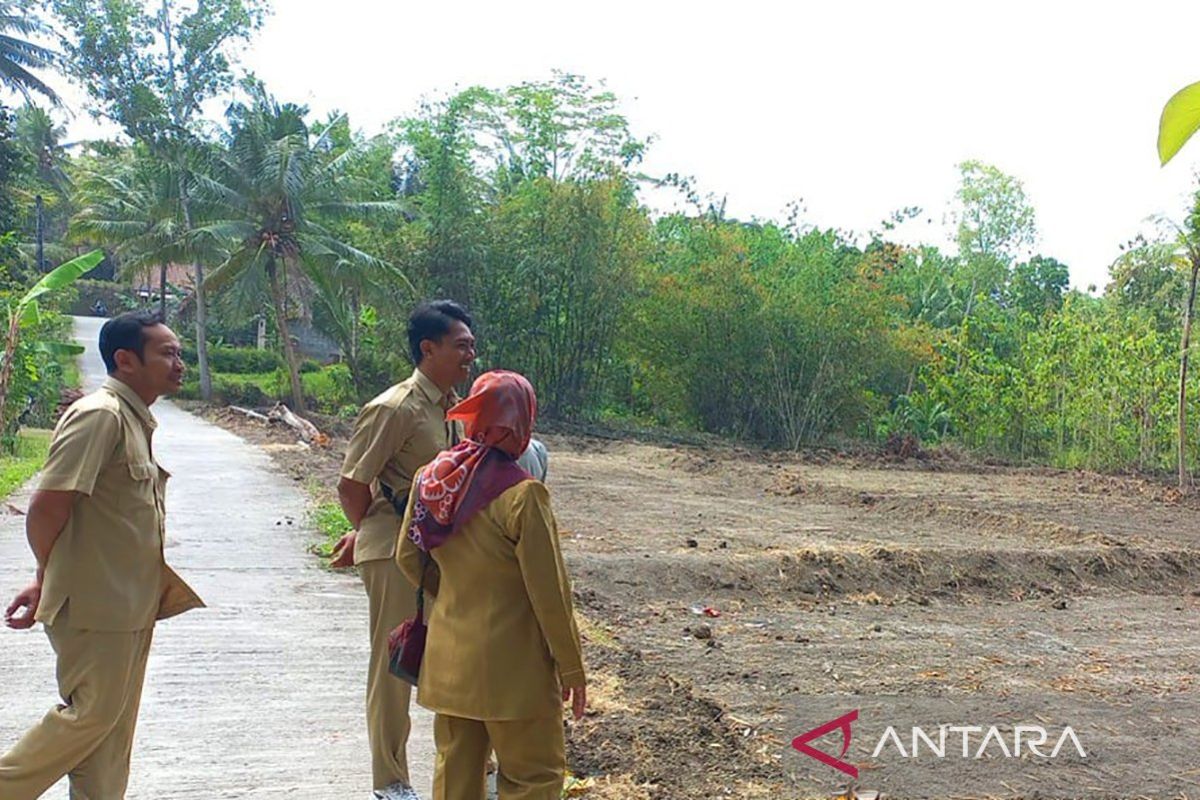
x,y
90,736
531,755
392,600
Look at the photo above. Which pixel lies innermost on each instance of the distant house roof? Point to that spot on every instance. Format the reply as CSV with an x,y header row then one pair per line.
x,y
179,276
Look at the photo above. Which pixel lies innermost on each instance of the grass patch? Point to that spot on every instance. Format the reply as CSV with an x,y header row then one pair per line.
x,y
16,468
71,375
331,522
595,633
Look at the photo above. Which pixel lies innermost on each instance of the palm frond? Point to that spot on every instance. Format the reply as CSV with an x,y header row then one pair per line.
x,y
22,80
234,267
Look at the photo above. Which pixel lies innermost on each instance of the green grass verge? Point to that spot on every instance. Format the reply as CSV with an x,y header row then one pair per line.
x,y
332,524
15,469
71,375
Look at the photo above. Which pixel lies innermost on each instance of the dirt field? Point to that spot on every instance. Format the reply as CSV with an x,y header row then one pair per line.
x,y
919,593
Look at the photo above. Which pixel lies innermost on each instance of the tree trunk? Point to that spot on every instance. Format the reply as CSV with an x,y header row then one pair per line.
x,y
10,350
201,305
162,291
1183,371
289,352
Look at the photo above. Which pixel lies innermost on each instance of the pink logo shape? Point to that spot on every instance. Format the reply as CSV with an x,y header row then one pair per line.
x,y
800,743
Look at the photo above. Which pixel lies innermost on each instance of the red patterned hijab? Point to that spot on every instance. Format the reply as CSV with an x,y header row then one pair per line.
x,y
498,420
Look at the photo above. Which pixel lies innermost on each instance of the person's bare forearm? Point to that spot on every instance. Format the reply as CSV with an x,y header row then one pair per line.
x,y
355,498
44,523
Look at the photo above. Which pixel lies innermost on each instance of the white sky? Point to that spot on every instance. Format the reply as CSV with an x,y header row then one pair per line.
x,y
857,107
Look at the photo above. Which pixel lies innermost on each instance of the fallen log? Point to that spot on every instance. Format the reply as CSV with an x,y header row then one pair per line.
x,y
308,432
252,414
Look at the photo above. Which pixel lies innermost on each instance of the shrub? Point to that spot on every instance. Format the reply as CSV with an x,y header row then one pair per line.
x,y
330,389
236,390
235,360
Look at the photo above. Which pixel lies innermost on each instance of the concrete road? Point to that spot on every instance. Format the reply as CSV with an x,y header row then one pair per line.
x,y
259,695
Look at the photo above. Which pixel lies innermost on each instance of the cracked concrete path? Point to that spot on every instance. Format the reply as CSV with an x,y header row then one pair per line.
x,y
260,694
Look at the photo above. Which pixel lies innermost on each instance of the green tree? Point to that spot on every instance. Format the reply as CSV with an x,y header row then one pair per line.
x,y
1188,255
995,226
43,140
49,185
270,194
446,194
1037,286
559,277
1146,276
13,167
132,204
149,65
562,129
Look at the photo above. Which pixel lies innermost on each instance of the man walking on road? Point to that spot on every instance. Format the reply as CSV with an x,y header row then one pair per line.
x,y
96,525
397,433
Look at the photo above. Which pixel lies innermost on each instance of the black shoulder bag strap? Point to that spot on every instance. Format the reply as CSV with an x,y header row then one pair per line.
x,y
398,501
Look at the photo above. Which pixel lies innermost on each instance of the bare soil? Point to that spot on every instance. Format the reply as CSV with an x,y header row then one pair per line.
x,y
734,599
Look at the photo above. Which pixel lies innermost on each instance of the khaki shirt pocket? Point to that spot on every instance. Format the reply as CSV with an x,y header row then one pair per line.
x,y
142,470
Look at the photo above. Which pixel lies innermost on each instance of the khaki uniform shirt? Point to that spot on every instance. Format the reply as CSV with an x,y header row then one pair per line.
x,y
108,561
396,434
502,635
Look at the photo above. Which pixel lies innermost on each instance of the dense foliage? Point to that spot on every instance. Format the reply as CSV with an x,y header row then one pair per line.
x,y
527,204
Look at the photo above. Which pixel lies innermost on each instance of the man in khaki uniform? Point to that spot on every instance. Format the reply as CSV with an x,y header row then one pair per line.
x,y
397,433
96,527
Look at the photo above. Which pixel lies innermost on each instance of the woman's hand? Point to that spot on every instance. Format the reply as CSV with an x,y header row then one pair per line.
x,y
578,698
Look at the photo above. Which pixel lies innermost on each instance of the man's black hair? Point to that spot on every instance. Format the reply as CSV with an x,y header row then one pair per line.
x,y
432,321
126,332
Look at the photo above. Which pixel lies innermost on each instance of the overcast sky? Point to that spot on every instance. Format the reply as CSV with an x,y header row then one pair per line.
x,y
858,108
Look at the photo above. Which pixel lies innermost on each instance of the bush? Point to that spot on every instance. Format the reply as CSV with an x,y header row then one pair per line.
x,y
377,371
38,376
238,390
329,390
235,360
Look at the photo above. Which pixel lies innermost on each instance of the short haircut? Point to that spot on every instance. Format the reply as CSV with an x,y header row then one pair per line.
x,y
432,321
126,332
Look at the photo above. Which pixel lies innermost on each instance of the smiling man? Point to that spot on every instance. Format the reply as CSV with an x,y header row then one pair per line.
x,y
397,433
96,525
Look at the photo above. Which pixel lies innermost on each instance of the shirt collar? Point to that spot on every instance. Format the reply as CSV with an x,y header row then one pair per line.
x,y
431,391
135,403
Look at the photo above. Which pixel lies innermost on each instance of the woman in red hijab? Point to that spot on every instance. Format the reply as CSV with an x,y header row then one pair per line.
x,y
503,651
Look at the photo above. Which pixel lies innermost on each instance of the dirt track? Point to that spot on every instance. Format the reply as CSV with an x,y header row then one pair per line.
x,y
918,593
917,596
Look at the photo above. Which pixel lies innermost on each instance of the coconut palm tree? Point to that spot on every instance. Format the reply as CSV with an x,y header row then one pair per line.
x,y
270,192
133,206
42,140
18,55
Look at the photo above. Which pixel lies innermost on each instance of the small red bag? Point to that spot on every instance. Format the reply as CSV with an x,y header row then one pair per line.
x,y
406,644
408,647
